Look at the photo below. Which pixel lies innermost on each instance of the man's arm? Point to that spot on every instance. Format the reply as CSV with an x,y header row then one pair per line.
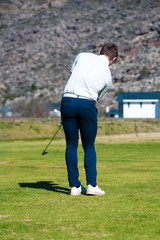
x,y
103,91
74,63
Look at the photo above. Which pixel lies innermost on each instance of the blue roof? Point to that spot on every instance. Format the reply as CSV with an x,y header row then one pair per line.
x,y
5,109
54,105
113,111
139,95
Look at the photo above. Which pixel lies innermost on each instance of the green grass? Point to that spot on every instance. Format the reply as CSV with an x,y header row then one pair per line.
x,y
44,128
35,201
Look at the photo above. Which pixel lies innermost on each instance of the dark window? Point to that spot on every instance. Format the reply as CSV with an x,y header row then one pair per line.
x,y
141,104
121,107
128,104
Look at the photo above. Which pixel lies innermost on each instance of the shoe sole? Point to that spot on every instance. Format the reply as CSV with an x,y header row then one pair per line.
x,y
73,194
92,193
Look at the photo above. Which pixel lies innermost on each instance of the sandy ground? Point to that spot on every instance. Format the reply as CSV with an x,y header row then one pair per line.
x,y
124,138
141,137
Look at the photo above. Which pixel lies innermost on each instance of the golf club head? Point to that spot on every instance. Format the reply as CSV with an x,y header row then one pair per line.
x,y
44,153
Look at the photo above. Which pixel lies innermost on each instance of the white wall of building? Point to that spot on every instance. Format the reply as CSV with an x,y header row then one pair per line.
x,y
139,108
158,109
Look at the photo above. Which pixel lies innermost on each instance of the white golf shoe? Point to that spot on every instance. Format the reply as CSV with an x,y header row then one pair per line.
x,y
78,191
94,190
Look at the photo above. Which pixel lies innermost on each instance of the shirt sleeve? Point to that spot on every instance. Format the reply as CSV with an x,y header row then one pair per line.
x,y
74,63
103,91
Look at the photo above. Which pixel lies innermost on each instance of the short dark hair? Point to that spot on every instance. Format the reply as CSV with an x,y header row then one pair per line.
x,y
110,50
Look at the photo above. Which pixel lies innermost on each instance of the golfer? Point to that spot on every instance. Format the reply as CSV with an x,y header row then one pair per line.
x,y
90,78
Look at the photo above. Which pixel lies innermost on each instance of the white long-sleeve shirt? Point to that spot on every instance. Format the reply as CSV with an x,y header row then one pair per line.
x,y
90,76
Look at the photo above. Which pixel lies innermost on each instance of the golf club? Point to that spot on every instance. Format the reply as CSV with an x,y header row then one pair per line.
x,y
44,152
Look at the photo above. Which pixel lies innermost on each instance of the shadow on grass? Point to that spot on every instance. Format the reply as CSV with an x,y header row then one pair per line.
x,y
47,185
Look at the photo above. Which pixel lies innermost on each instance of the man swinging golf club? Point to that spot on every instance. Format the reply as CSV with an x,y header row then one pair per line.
x,y
90,78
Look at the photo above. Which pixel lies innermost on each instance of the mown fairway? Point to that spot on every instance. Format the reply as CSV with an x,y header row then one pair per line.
x,y
35,201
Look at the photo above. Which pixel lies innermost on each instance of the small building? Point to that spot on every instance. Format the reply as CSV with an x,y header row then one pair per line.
x,y
54,110
5,111
139,104
113,113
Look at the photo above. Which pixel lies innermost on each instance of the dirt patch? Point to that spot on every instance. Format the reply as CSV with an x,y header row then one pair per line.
x,y
141,137
4,216
124,138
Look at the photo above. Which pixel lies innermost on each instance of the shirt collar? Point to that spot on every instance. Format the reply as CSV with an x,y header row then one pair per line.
x,y
105,58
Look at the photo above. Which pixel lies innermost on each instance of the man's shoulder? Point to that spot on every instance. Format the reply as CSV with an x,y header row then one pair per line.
x,y
87,54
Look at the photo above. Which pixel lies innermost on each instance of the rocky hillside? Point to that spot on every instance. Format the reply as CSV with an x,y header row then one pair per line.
x,y
39,40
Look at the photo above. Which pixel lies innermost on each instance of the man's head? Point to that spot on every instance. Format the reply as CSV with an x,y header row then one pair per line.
x,y
110,50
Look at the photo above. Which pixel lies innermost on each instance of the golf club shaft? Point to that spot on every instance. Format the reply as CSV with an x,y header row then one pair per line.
x,y
53,137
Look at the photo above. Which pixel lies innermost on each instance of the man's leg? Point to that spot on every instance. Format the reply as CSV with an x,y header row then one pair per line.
x,y
88,129
68,115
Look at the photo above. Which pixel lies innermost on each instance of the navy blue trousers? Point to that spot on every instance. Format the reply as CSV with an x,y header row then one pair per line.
x,y
79,115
